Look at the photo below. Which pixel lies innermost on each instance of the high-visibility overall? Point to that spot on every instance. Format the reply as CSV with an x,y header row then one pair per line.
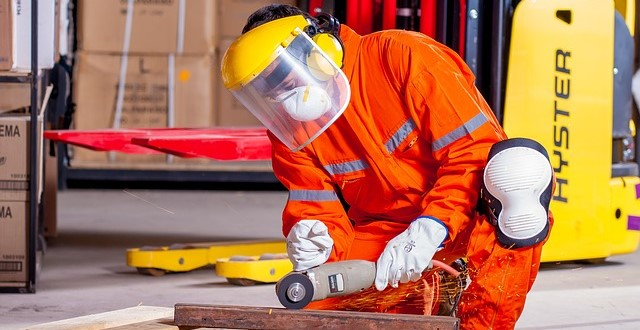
x,y
413,141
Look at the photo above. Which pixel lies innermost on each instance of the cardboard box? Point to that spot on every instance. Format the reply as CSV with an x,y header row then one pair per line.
x,y
146,92
21,34
15,138
14,217
5,35
157,27
234,13
15,22
14,96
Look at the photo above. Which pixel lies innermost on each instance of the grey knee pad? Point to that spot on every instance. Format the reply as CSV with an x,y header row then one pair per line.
x,y
516,191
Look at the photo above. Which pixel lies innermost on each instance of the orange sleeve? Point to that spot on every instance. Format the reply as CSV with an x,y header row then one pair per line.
x,y
454,116
311,196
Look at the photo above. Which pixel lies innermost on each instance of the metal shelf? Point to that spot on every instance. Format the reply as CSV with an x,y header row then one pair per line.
x,y
12,77
168,176
72,177
68,175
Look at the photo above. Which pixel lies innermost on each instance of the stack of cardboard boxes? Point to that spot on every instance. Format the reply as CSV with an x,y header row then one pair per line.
x,y
143,64
151,64
15,129
15,167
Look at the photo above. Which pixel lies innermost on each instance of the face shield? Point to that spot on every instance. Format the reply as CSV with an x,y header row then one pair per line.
x,y
299,94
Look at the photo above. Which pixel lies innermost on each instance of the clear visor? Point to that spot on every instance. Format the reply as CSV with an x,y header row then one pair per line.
x,y
299,95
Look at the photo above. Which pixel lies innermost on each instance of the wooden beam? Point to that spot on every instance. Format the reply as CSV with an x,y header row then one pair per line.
x,y
237,317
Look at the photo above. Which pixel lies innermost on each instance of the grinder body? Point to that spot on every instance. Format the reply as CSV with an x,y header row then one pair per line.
x,y
297,289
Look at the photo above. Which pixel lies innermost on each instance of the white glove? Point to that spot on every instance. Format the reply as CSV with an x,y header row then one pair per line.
x,y
407,255
308,244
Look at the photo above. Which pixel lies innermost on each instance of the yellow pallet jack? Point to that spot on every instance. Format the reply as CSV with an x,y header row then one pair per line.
x,y
250,270
176,258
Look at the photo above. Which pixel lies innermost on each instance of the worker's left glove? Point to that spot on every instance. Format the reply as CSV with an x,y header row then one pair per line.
x,y
407,255
308,244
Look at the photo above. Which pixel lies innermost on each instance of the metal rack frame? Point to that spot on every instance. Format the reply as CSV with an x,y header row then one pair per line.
x,y
32,148
145,176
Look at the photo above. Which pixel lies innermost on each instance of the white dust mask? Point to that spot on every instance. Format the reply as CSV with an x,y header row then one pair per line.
x,y
305,103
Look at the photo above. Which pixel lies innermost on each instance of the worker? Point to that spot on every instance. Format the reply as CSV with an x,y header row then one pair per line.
x,y
386,148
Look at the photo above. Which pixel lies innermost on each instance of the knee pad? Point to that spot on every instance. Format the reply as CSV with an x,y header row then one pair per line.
x,y
516,191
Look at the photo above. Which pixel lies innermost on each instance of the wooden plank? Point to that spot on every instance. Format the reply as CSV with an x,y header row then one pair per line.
x,y
157,324
236,317
108,320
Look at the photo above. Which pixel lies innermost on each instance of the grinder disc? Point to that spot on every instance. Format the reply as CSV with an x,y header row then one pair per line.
x,y
294,291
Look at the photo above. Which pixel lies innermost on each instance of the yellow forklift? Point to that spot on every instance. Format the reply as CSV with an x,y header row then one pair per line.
x,y
568,86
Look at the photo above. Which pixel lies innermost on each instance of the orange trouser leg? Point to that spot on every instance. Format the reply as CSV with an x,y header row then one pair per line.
x,y
500,281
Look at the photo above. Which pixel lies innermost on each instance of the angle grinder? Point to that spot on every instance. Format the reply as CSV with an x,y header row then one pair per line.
x,y
297,289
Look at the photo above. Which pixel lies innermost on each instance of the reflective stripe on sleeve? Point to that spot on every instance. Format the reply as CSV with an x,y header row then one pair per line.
x,y
400,135
460,131
346,167
313,195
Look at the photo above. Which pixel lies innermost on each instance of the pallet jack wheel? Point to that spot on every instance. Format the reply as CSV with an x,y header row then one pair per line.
x,y
242,281
592,261
151,271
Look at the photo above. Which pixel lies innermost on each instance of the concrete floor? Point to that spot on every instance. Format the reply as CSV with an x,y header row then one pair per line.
x,y
84,270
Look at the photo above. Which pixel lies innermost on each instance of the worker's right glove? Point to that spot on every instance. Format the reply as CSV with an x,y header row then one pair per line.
x,y
308,244
407,255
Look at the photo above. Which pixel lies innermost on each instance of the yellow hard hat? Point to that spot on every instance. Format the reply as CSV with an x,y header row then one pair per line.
x,y
252,52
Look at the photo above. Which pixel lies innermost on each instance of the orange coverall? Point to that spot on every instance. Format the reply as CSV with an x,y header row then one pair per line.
x,y
413,141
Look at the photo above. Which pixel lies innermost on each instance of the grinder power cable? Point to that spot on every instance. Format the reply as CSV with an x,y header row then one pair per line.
x,y
297,289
